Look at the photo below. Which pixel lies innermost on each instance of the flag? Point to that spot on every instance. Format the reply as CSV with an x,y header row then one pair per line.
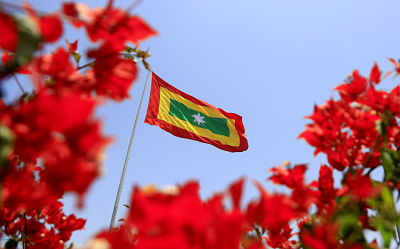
x,y
185,116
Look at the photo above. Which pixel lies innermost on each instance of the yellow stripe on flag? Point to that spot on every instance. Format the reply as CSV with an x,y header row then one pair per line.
x,y
163,114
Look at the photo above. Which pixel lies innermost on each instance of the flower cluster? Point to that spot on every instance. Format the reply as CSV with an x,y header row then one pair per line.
x,y
178,218
45,228
351,131
51,143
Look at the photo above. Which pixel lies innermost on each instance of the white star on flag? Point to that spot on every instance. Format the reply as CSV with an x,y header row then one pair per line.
x,y
198,119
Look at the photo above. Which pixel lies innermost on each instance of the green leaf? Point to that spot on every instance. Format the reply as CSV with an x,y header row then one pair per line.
x,y
349,224
11,244
28,42
6,143
77,56
387,198
386,217
386,232
391,165
129,49
380,127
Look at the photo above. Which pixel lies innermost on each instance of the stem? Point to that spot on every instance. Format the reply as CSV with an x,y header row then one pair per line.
x,y
398,197
370,170
259,235
123,53
25,234
371,151
86,65
18,83
349,158
133,5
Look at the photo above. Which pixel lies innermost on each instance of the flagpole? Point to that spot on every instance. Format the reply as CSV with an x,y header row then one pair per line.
x,y
121,182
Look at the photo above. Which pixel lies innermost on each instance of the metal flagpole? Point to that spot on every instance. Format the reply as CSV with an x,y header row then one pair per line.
x,y
121,182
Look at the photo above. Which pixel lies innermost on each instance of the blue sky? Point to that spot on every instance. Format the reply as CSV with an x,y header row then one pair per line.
x,y
268,61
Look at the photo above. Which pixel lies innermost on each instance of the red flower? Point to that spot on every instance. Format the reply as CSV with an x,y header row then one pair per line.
x,y
7,59
116,239
72,47
115,25
58,66
259,212
359,186
343,131
8,32
163,220
254,245
43,228
292,178
351,90
283,208
235,191
112,25
64,224
60,113
325,182
50,27
325,202
71,11
338,160
31,195
396,64
322,236
281,239
114,75
328,119
394,101
375,75
58,129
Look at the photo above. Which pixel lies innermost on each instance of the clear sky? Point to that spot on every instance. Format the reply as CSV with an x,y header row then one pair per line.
x,y
268,61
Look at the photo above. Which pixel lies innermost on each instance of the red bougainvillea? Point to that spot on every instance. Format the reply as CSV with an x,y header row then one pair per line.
x,y
51,142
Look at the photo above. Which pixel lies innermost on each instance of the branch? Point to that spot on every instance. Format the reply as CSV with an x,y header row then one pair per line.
x,y
19,84
133,5
398,236
86,65
25,234
141,55
371,169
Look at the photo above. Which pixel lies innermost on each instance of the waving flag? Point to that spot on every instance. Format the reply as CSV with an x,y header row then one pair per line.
x,y
185,116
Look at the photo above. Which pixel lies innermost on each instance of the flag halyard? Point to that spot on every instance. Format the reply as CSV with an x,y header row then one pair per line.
x,y
185,116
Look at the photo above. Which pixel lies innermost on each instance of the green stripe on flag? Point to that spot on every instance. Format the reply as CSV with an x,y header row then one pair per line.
x,y
215,125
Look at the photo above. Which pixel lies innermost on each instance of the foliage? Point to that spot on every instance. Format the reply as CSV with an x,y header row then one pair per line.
x,y
51,145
